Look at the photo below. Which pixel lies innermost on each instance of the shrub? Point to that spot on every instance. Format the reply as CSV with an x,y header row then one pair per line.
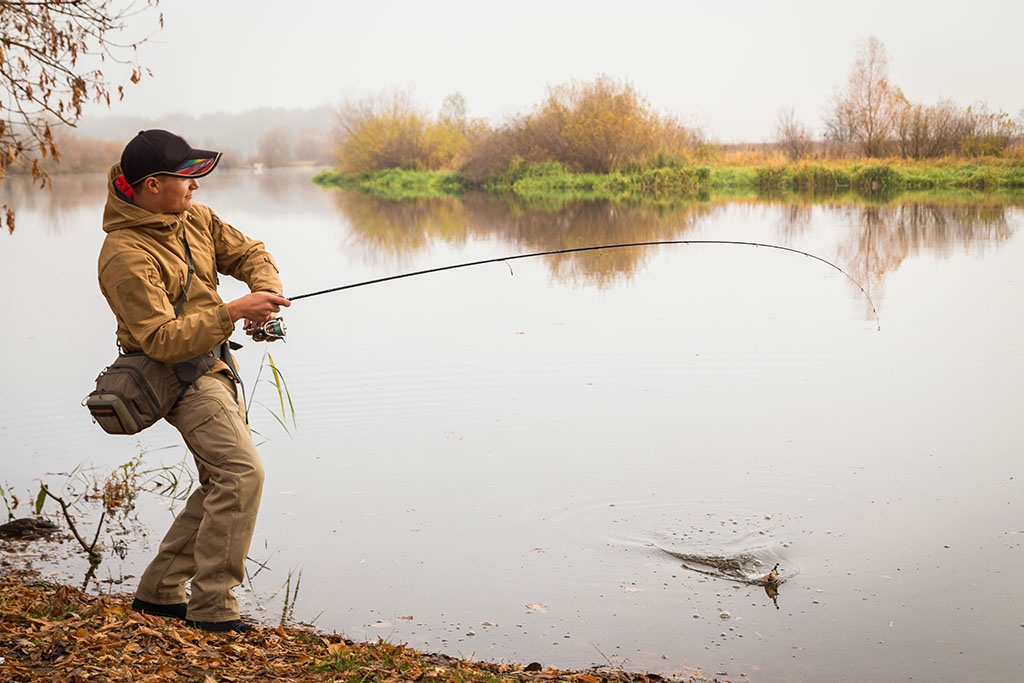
x,y
387,131
879,178
590,127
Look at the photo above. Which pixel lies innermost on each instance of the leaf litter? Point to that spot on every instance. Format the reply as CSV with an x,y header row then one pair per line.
x,y
56,632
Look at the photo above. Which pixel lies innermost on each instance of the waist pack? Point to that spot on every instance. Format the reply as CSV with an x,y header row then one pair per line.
x,y
135,391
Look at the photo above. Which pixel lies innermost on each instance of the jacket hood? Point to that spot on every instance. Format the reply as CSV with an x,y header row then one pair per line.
x,y
118,213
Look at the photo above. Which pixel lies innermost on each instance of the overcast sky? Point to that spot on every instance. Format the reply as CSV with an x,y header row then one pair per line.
x,y
728,66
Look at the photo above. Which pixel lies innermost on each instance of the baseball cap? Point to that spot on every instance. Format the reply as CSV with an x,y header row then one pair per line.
x,y
156,151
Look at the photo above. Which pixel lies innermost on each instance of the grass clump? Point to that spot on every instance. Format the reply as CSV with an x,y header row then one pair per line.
x,y
395,183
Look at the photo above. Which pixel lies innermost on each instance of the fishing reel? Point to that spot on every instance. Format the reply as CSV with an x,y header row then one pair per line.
x,y
272,330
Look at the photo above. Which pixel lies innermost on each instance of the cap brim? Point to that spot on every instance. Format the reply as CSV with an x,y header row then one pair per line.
x,y
201,163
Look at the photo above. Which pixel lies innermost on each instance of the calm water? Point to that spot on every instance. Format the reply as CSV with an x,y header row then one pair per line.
x,y
510,466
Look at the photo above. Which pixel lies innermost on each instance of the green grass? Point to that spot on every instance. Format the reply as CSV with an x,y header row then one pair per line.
x,y
550,182
886,178
395,183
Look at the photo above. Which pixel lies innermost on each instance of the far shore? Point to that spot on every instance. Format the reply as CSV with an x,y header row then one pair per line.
x,y
870,178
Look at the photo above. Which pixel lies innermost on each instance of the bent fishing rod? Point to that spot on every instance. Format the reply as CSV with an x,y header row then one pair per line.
x,y
504,259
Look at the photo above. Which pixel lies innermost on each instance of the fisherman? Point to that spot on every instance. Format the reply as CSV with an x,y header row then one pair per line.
x,y
155,233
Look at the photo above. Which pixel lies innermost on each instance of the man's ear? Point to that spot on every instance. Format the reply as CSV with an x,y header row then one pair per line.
x,y
150,184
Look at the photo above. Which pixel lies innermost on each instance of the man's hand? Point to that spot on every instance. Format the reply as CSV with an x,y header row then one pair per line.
x,y
258,307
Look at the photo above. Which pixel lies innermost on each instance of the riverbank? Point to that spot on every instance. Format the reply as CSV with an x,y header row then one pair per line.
x,y
50,631
675,180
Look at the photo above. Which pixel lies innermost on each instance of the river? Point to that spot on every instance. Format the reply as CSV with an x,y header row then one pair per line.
x,y
511,461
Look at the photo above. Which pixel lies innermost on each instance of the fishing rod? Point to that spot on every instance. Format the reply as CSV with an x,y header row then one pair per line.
x,y
597,247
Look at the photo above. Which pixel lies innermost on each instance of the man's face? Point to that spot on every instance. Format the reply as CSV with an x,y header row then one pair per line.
x,y
171,194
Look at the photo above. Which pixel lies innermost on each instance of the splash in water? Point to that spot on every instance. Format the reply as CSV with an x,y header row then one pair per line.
x,y
756,567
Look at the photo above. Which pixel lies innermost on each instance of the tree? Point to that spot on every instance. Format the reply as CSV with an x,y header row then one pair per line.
x,y
868,109
792,135
50,51
388,130
453,111
275,146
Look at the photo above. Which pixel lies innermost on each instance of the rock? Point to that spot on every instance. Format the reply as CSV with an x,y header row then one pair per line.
x,y
27,529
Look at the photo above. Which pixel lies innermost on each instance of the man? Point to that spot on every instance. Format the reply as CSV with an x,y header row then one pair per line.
x,y
155,236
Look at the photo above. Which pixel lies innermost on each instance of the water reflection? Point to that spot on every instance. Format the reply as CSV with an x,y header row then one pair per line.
x,y
887,234
390,232
68,194
401,228
890,234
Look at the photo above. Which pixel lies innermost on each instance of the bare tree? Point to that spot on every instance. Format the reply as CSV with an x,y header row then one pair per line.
x,y
49,52
792,135
453,111
275,146
839,120
867,110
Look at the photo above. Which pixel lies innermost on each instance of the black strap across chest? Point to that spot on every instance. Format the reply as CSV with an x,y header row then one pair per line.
x,y
188,281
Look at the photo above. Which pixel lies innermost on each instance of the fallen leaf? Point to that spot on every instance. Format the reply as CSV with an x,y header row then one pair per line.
x,y
408,618
335,648
539,606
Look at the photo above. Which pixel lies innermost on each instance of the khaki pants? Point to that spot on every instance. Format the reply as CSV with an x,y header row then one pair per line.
x,y
209,539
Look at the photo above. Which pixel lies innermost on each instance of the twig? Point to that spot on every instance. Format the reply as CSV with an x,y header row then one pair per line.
x,y
94,557
606,657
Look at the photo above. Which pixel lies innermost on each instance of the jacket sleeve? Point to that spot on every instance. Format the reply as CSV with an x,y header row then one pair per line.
x,y
244,258
132,285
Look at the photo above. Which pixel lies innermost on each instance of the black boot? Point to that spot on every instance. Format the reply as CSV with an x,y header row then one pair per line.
x,y
174,611
232,626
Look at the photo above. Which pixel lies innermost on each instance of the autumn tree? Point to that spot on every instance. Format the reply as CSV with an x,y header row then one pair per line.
x,y
596,126
599,125
793,136
50,54
388,130
866,110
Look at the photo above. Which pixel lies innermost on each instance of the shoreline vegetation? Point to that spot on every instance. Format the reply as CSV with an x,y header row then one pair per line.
x,y
601,139
52,631
675,180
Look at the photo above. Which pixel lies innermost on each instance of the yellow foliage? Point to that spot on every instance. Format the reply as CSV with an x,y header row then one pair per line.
x,y
595,127
389,132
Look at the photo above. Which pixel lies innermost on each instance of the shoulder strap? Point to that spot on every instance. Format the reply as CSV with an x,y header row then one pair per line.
x,y
191,270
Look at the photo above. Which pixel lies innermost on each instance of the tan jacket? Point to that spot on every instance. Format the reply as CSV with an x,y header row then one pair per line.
x,y
142,273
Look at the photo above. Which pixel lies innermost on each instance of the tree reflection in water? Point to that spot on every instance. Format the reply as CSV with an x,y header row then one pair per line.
x,y
889,231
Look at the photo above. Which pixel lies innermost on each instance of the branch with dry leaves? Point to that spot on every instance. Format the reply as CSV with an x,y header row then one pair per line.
x,y
51,52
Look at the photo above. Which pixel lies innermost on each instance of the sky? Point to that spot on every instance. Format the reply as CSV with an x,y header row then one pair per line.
x,y
728,67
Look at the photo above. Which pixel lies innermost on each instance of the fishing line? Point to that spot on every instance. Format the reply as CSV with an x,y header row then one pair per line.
x,y
594,248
